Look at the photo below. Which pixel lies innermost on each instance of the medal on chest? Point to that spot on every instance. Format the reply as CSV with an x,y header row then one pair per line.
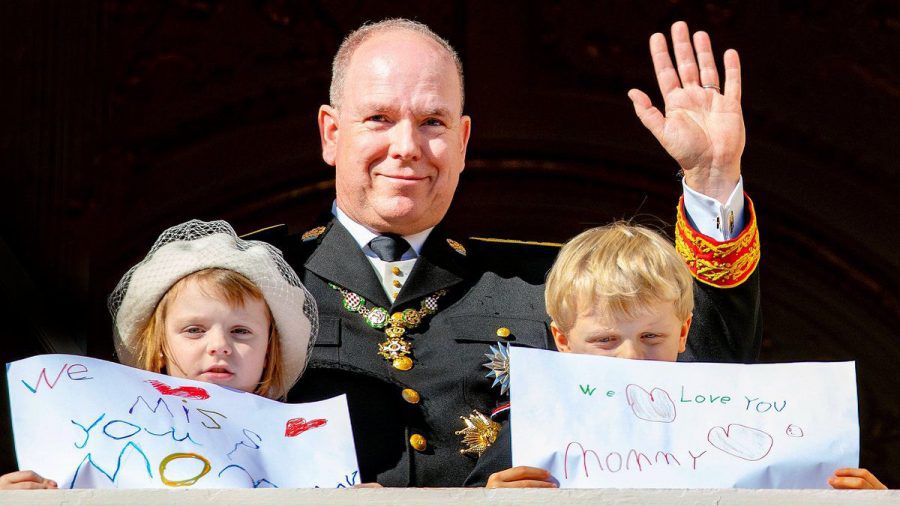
x,y
479,434
395,349
499,366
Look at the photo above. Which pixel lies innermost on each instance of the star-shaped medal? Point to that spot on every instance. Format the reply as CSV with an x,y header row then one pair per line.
x,y
499,366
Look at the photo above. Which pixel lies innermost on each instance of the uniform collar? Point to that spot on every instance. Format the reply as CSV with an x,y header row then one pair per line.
x,y
438,267
363,235
338,259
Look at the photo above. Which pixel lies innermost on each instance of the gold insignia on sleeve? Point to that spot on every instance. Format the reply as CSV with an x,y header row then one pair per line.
x,y
312,234
459,248
723,264
479,434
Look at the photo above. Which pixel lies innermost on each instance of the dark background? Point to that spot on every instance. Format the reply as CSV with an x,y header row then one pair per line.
x,y
121,118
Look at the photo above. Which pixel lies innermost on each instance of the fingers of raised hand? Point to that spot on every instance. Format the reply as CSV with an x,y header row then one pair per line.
x,y
709,76
691,71
666,75
732,75
684,54
650,116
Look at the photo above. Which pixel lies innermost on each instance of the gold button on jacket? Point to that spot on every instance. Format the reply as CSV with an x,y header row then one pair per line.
x,y
418,442
410,396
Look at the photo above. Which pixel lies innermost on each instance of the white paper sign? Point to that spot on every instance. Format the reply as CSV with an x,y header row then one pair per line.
x,y
604,422
88,423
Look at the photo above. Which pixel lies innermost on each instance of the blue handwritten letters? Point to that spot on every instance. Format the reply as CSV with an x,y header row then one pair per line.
x,y
88,423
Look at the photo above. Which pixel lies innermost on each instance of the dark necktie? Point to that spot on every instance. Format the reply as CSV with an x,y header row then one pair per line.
x,y
389,247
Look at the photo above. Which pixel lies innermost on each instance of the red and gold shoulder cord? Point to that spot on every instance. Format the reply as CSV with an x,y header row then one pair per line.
x,y
723,264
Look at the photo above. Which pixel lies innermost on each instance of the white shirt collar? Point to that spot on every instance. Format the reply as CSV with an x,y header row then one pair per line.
x,y
362,234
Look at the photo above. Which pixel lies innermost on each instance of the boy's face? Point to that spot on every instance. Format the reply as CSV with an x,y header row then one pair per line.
x,y
209,340
658,335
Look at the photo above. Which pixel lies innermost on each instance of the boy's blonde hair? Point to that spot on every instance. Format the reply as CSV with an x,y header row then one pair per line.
x,y
233,288
619,269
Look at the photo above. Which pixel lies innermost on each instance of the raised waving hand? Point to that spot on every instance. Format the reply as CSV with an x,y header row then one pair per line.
x,y
703,126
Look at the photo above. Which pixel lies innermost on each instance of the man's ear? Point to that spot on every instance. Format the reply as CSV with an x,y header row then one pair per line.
x,y
465,132
685,327
562,342
328,133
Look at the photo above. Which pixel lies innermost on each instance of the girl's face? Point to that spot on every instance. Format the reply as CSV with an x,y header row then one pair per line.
x,y
209,340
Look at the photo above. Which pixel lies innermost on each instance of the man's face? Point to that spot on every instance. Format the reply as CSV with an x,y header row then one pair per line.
x,y
398,141
657,335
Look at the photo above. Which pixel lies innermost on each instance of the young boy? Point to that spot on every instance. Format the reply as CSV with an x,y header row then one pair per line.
x,y
621,291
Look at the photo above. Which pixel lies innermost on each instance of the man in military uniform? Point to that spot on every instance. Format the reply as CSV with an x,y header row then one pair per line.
x,y
408,314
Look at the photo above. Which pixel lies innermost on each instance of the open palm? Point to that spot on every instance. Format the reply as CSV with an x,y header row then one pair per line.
x,y
702,129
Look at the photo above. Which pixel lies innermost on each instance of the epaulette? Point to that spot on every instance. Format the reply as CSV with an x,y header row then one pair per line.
x,y
313,233
311,239
723,264
457,247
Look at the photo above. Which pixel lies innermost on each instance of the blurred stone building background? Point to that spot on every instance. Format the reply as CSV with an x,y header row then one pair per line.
x,y
119,118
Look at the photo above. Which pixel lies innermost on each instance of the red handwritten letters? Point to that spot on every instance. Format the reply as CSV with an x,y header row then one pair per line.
x,y
195,393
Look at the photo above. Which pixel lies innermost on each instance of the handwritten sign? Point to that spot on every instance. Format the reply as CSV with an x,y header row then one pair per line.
x,y
605,422
87,423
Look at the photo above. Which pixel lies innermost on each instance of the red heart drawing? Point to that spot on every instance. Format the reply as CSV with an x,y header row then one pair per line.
x,y
653,406
196,393
296,426
741,441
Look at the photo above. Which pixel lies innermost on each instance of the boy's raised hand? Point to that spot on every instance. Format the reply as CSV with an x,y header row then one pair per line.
x,y
854,478
25,480
522,477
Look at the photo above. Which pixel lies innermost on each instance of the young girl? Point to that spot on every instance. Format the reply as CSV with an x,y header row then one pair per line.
x,y
209,306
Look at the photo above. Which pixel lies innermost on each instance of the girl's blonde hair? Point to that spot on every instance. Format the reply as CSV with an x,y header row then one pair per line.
x,y
232,287
619,269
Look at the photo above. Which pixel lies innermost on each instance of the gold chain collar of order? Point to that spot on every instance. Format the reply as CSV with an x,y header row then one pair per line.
x,y
395,349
